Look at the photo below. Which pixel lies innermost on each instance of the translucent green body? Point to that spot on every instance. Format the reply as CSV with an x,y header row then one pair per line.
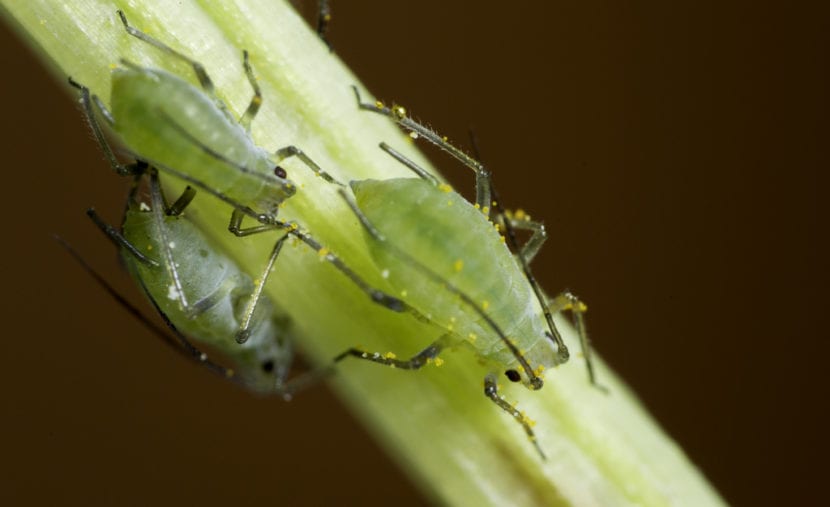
x,y
218,290
439,229
178,128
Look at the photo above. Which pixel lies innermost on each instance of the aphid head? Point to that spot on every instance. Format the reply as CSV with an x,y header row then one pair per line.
x,y
287,188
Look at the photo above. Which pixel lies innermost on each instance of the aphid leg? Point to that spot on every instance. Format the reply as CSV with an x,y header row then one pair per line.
x,y
293,151
198,69
292,229
491,390
568,301
399,115
412,166
87,102
518,220
323,19
119,240
530,248
416,362
181,344
256,100
245,327
159,210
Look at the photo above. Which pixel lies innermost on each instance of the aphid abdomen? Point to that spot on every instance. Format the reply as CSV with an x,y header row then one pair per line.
x,y
442,231
172,124
216,287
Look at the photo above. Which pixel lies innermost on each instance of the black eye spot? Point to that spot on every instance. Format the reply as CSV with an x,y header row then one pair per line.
x,y
268,366
280,172
512,375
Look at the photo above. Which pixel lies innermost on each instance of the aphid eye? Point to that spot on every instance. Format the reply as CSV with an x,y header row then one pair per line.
x,y
268,366
280,172
512,375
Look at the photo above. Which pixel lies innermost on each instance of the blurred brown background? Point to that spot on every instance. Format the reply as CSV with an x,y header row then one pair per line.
x,y
672,148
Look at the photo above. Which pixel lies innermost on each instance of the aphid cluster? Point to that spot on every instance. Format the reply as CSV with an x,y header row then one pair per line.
x,y
453,264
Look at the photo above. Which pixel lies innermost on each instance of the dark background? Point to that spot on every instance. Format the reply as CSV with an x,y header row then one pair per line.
x,y
672,148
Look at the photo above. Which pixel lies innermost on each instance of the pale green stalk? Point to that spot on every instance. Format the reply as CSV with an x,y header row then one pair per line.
x,y
603,449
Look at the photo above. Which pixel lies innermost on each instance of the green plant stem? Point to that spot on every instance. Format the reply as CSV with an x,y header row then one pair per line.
x,y
603,448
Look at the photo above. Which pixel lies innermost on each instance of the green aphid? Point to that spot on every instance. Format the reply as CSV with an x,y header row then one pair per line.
x,y
189,132
171,259
451,265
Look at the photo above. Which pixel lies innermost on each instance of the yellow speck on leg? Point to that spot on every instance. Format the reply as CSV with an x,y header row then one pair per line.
x,y
444,188
438,361
389,355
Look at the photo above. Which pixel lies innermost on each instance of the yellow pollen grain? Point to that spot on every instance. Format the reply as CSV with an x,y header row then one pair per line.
x,y
458,265
485,305
438,361
486,210
404,293
444,187
389,355
323,252
472,337
477,206
379,104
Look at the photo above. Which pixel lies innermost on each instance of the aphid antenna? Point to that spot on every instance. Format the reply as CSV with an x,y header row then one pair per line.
x,y
180,344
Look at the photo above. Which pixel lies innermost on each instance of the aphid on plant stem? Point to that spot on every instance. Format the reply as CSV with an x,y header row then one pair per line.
x,y
171,258
450,263
186,132
189,133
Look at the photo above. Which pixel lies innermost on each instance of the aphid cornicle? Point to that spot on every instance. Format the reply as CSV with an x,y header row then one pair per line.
x,y
159,244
